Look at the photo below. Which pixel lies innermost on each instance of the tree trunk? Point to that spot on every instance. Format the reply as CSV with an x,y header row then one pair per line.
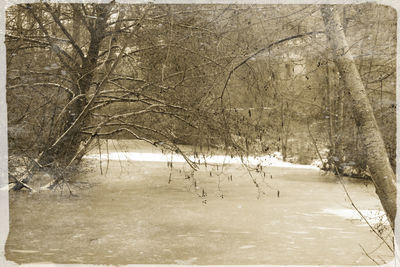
x,y
377,159
67,138
340,123
283,134
330,90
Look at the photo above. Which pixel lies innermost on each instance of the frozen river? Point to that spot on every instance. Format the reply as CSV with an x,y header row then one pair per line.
x,y
142,211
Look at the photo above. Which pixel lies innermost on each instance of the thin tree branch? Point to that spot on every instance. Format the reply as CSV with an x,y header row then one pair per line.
x,y
85,110
69,91
64,30
366,254
53,46
262,50
360,213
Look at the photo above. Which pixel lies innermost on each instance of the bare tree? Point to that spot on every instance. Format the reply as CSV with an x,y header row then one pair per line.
x,y
378,162
139,71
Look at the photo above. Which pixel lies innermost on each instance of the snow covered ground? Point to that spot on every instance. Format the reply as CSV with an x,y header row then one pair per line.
x,y
267,160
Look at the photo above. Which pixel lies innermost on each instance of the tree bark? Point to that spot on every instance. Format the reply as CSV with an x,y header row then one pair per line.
x,y
64,145
377,160
330,90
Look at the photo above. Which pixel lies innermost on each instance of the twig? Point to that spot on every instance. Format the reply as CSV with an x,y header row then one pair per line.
x,y
314,142
108,156
85,110
69,189
262,50
65,31
359,212
99,145
369,255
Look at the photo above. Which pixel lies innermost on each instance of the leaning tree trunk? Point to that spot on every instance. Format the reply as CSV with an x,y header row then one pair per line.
x,y
378,162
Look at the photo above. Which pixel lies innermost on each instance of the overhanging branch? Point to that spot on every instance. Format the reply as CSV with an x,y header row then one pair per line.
x,y
263,50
